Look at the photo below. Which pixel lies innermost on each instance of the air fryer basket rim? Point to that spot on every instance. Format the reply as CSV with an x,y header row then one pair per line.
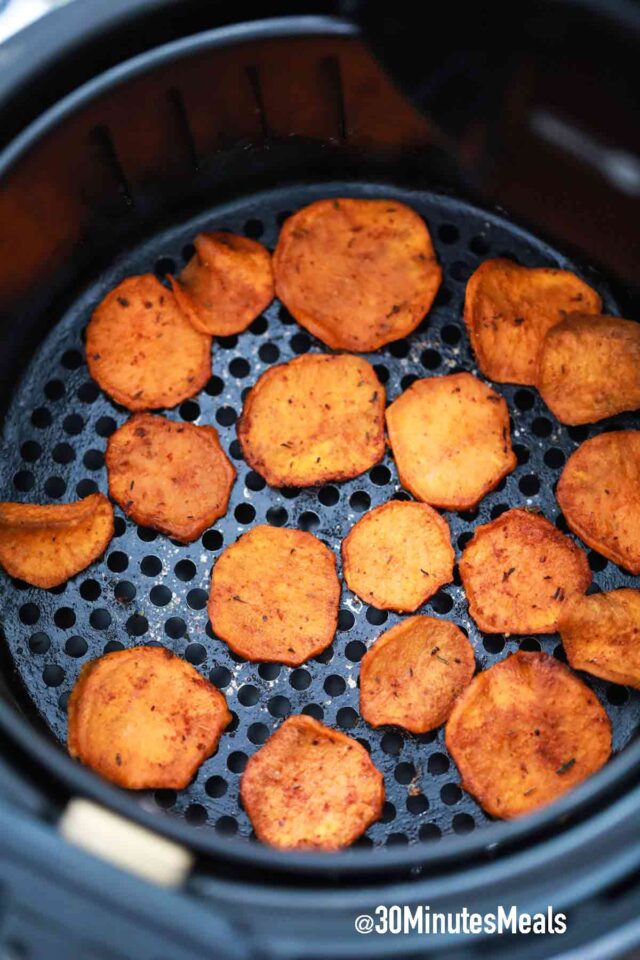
x,y
450,850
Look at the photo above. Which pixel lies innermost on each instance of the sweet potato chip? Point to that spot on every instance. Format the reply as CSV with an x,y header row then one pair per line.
x,y
143,718
451,440
398,555
508,309
44,545
314,419
142,350
174,477
599,495
524,732
310,787
518,572
356,273
589,368
226,284
413,674
601,635
275,595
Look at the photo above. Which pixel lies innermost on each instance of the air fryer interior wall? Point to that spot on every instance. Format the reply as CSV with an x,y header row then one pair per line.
x,y
199,127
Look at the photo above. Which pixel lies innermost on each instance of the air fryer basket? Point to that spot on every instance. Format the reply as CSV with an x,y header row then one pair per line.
x,y
209,133
150,589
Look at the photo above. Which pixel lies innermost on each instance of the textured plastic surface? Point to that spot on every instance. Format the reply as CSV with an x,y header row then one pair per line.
x,y
148,589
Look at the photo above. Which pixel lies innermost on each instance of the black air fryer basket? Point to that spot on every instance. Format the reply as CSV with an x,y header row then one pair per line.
x,y
125,132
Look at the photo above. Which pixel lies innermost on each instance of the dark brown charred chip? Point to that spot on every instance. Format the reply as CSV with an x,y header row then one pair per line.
x,y
44,545
315,419
310,787
174,477
413,674
143,718
599,495
398,555
356,273
275,595
518,572
524,732
226,284
142,350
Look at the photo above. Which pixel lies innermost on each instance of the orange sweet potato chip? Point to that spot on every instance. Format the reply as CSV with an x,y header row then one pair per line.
x,y
524,732
143,718
519,571
589,368
414,673
226,284
398,555
314,419
310,787
599,494
44,545
508,309
174,477
356,273
601,635
451,440
275,595
142,350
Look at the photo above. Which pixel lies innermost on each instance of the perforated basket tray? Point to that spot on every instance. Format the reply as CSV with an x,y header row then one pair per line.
x,y
148,589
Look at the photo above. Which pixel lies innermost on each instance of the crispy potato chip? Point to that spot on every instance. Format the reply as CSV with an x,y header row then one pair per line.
x,y
142,350
601,635
450,439
314,419
174,477
524,732
398,555
589,368
310,787
413,674
518,572
508,309
226,284
274,596
599,495
356,273
144,718
44,545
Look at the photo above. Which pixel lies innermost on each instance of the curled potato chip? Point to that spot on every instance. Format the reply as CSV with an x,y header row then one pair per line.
x,y
314,419
398,555
508,309
413,674
450,439
142,350
274,596
524,732
174,477
44,545
589,368
599,495
144,718
518,572
227,283
356,273
310,787
601,635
